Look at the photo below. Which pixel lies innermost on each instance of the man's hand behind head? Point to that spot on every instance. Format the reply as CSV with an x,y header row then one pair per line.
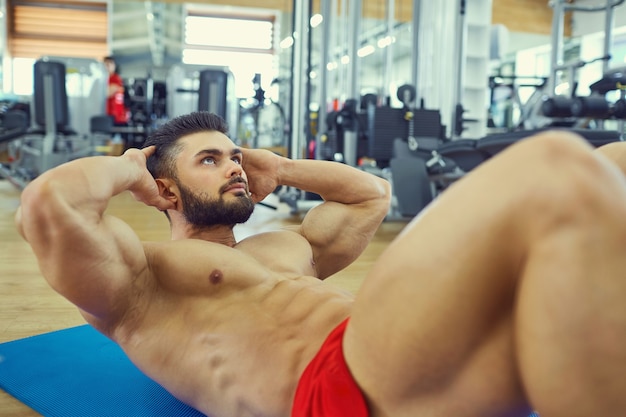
x,y
144,188
262,169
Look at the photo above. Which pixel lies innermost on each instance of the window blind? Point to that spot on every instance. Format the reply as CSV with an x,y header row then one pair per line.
x,y
60,28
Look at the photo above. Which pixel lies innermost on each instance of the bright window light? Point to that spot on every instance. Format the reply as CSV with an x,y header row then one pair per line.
x,y
286,43
386,41
366,50
238,63
316,20
244,45
228,32
562,89
23,80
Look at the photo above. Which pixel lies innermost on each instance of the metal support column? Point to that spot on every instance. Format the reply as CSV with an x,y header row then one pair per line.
x,y
608,34
461,47
299,106
417,10
390,15
354,25
47,146
5,60
323,74
556,50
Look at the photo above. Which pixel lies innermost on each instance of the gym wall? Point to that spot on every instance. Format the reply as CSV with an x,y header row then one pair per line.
x,y
530,16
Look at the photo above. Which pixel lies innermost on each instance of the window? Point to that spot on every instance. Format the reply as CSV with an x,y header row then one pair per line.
x,y
39,28
229,32
23,79
244,44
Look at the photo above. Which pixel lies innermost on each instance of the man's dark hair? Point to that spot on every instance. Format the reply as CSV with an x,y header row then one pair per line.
x,y
162,163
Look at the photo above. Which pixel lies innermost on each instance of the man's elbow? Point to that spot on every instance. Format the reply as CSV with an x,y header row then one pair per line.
x,y
379,202
36,205
18,223
385,189
384,193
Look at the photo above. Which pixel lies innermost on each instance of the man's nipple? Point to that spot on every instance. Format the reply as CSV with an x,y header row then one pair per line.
x,y
216,277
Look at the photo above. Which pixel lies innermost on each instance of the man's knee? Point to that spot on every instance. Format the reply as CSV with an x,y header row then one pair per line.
x,y
557,175
616,153
576,181
553,146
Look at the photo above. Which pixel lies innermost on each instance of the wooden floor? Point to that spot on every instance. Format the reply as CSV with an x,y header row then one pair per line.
x,y
29,307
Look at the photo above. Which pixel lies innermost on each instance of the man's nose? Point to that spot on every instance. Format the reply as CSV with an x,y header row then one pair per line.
x,y
234,169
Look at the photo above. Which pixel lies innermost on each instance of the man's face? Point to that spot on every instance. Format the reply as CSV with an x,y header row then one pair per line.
x,y
213,186
110,65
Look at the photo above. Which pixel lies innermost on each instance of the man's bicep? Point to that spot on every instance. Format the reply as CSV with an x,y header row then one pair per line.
x,y
337,234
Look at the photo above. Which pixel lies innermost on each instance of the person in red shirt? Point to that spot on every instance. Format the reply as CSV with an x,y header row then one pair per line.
x,y
115,94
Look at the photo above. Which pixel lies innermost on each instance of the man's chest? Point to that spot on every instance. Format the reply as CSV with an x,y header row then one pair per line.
x,y
198,267
285,253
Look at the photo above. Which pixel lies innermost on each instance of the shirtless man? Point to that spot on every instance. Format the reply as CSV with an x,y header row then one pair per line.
x,y
505,295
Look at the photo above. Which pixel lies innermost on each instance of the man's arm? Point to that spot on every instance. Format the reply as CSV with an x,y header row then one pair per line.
x,y
339,229
89,258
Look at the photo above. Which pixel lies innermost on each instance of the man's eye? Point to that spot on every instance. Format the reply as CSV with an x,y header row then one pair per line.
x,y
208,161
237,159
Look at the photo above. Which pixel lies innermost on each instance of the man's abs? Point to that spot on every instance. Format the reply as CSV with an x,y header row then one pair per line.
x,y
239,352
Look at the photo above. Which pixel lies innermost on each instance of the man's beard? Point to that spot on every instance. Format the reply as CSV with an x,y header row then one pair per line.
x,y
203,211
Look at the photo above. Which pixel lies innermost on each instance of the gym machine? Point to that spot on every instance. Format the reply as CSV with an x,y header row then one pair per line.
x,y
397,143
507,109
202,88
145,99
571,110
138,97
350,118
48,139
13,124
405,141
262,121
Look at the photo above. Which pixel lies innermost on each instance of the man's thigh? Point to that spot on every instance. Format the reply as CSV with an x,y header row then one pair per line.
x,y
432,326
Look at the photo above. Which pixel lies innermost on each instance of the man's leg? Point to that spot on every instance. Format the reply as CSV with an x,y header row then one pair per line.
x,y
509,289
615,151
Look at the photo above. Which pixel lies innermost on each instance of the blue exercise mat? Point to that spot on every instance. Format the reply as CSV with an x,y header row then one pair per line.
x,y
78,372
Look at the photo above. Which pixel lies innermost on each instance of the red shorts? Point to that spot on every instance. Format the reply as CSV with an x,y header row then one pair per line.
x,y
326,387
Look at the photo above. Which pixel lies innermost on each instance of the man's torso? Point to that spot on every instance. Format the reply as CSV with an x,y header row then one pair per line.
x,y
230,330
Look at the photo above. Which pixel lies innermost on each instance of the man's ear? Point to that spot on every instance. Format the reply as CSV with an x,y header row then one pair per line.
x,y
168,190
